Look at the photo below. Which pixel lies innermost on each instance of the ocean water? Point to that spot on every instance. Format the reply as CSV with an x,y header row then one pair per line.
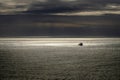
x,y
59,59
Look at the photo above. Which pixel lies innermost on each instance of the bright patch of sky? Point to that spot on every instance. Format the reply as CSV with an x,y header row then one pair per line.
x,y
88,13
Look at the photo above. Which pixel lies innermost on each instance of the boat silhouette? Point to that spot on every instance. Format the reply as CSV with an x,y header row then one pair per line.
x,y
80,44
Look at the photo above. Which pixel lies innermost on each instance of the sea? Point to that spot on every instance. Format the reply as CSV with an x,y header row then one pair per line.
x,y
59,59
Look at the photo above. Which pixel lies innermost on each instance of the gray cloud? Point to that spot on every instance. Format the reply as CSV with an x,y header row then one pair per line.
x,y
11,7
95,18
31,25
62,6
57,6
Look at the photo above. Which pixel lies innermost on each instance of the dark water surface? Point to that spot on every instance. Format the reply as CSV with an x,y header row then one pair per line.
x,y
59,59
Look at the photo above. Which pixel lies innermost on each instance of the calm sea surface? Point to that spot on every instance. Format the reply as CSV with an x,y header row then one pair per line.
x,y
59,59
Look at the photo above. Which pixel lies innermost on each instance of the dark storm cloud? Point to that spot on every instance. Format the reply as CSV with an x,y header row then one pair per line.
x,y
56,6
60,6
105,1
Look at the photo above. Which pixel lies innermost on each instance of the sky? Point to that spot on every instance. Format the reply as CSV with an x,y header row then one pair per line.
x,y
81,18
60,7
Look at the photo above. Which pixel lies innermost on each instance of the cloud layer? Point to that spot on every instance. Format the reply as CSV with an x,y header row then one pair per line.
x,y
69,7
59,26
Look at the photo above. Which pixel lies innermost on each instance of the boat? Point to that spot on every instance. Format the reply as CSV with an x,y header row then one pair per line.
x,y
80,44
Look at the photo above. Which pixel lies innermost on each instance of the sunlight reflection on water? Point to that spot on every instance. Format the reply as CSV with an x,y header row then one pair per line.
x,y
59,42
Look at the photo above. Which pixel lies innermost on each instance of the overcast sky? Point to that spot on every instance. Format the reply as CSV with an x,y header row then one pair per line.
x,y
72,18
60,7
